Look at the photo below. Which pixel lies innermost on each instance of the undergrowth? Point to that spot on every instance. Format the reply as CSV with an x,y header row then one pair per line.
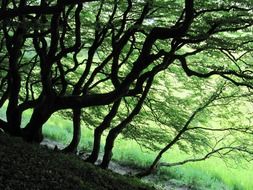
x,y
27,166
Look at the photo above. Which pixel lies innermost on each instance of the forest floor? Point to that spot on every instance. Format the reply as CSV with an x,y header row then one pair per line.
x,y
127,170
33,167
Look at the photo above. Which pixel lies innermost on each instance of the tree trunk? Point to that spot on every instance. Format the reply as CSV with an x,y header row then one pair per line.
x,y
96,146
13,114
150,169
108,148
113,133
99,131
14,117
33,130
72,147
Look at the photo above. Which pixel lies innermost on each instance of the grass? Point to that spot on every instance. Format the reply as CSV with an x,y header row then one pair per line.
x,y
212,174
235,177
191,175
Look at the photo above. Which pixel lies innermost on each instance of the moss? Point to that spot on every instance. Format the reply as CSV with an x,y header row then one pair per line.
x,y
26,166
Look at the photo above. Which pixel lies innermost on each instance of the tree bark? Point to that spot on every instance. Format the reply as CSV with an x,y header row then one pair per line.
x,y
96,146
33,130
108,147
99,131
72,147
14,45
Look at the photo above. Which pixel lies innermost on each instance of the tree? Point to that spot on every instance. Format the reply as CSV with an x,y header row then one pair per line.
x,y
87,55
202,136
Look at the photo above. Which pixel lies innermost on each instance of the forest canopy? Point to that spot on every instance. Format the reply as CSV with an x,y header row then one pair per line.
x,y
160,72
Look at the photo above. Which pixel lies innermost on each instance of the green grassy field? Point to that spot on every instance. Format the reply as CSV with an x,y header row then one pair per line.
x,y
211,174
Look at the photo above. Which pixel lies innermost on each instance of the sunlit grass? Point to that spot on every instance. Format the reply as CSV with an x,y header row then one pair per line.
x,y
213,173
191,175
235,176
87,139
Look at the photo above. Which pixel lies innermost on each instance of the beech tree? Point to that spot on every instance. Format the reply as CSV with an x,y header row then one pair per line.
x,y
206,136
87,55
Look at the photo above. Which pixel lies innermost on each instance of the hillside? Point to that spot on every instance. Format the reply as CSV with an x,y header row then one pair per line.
x,y
30,167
